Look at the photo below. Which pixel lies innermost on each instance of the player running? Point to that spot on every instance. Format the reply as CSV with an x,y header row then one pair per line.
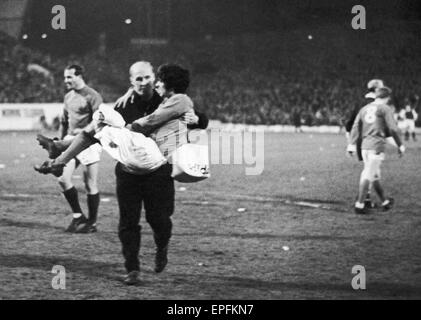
x,y
372,125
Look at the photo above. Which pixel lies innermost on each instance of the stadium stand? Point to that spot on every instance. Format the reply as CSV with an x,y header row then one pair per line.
x,y
323,76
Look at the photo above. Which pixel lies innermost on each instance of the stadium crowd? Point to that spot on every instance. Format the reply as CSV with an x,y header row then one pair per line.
x,y
320,79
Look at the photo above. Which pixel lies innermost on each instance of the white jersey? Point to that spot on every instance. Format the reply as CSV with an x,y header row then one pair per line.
x,y
408,114
407,118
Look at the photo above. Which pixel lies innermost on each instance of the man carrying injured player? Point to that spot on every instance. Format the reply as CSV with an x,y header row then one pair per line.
x,y
133,149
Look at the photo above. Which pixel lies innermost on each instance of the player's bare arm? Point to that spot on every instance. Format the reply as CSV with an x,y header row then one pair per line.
x,y
393,130
354,135
64,127
171,110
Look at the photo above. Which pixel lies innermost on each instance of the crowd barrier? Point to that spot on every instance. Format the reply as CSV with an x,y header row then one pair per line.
x,y
29,117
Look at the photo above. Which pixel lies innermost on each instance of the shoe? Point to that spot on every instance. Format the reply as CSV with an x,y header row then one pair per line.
x,y
132,278
388,206
360,210
48,144
49,166
161,259
75,223
87,227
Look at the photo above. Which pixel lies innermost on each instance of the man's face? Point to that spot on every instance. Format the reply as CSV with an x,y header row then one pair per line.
x,y
142,79
71,80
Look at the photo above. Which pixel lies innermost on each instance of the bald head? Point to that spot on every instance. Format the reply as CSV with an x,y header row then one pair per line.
x,y
140,66
142,78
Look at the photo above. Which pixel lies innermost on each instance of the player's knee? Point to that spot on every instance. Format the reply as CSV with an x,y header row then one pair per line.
x,y
91,187
158,220
64,183
91,184
152,220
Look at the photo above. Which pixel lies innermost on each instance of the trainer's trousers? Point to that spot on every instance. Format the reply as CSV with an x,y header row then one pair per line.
x,y
156,192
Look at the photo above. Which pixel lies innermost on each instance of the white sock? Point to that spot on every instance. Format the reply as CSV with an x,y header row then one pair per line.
x,y
77,215
386,202
359,205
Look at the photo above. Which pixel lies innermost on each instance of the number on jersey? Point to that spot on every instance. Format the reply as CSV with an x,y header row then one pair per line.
x,y
370,115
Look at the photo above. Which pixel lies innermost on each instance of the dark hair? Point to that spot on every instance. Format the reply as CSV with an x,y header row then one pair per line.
x,y
384,92
174,77
79,71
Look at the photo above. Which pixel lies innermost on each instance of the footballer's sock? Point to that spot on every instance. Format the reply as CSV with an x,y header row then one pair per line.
x,y
359,205
93,204
407,136
80,143
414,136
73,199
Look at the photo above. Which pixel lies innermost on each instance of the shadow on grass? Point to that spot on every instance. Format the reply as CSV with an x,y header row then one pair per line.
x,y
375,290
27,224
378,289
89,268
174,282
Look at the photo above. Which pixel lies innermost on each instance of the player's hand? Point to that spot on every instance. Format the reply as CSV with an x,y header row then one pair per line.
x,y
401,150
101,117
348,137
351,149
190,118
122,101
136,127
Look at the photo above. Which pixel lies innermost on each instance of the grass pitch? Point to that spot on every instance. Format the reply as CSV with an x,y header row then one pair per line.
x,y
301,202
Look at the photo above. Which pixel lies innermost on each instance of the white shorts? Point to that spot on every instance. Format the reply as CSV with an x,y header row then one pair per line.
x,y
90,155
136,152
372,163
